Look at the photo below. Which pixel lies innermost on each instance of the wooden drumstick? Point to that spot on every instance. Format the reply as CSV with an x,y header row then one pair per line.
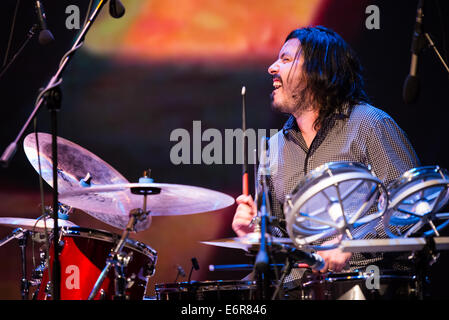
x,y
245,185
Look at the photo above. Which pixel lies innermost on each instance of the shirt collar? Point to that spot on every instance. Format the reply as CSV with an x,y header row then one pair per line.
x,y
291,123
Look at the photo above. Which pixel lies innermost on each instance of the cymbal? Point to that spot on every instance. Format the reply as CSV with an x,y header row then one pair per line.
x,y
250,242
112,203
74,163
33,224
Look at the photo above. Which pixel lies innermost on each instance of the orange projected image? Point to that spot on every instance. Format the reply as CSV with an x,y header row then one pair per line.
x,y
202,29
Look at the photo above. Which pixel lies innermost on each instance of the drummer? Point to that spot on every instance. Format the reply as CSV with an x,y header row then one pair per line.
x,y
317,80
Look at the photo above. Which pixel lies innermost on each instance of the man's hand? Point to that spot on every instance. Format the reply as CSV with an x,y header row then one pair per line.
x,y
335,259
245,212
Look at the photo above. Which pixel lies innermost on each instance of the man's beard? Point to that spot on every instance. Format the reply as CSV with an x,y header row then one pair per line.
x,y
293,103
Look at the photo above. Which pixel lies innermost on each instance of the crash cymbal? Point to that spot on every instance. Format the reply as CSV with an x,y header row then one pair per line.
x,y
250,242
74,163
34,224
112,203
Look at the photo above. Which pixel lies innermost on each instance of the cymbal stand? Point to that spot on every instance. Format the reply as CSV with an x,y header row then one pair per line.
x,y
22,236
118,259
51,97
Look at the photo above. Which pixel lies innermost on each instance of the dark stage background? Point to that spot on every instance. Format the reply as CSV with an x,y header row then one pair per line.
x,y
166,64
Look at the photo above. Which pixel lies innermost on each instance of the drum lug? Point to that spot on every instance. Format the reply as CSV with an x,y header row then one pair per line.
x,y
124,259
102,294
38,273
149,270
48,289
306,296
130,281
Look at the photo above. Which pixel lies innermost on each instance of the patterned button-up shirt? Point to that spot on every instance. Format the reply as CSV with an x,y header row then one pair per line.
x,y
364,134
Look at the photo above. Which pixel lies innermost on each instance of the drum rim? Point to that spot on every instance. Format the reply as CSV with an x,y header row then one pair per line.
x,y
423,178
195,283
413,173
362,276
322,169
358,171
398,190
107,236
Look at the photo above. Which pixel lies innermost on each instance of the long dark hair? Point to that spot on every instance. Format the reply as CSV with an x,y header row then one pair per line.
x,y
332,70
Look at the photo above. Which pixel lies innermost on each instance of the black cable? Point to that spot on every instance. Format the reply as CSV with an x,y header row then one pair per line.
x,y
41,189
89,8
443,29
11,33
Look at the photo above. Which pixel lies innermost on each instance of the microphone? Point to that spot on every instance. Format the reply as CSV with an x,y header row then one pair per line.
x,y
315,261
116,9
263,260
195,264
45,36
264,171
181,271
411,88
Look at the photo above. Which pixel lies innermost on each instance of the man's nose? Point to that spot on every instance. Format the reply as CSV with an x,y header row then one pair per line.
x,y
273,69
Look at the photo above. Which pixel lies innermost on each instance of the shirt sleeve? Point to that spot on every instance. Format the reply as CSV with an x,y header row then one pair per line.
x,y
389,152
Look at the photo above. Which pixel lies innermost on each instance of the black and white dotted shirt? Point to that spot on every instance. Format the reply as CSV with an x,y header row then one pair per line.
x,y
364,134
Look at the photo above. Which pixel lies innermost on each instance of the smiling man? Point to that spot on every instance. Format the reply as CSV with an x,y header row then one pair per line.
x,y
317,80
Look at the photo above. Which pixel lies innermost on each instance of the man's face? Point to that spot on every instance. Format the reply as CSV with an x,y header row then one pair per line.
x,y
287,78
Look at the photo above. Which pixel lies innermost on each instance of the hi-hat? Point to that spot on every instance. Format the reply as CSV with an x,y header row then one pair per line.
x,y
250,242
74,163
112,203
33,224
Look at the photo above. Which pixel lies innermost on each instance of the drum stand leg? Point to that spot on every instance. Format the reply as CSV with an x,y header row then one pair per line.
x,y
24,283
119,260
285,271
22,236
424,259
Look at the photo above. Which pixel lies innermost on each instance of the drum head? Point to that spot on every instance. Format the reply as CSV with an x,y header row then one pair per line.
x,y
335,198
415,198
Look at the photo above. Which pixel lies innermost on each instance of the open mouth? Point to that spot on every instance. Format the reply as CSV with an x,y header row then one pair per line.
x,y
277,83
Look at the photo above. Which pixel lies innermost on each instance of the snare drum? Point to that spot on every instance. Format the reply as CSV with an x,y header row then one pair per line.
x,y
415,198
228,290
83,257
394,285
336,197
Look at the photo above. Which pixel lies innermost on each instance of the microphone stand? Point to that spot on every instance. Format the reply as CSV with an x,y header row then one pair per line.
x,y
30,35
432,45
262,263
51,97
420,38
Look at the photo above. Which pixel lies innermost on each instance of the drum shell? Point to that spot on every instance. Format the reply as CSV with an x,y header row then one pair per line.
x,y
353,286
83,255
222,290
